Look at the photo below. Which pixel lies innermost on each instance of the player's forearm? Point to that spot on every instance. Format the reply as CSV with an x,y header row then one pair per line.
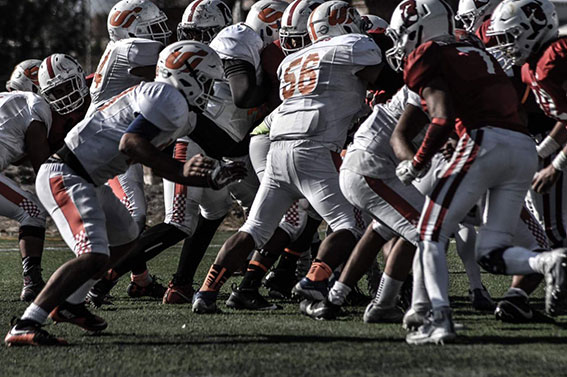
x,y
402,146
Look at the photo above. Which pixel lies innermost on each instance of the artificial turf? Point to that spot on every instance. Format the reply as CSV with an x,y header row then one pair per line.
x,y
146,338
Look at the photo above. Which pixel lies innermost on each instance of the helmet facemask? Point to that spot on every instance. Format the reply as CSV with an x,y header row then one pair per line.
x,y
195,33
66,96
156,29
292,41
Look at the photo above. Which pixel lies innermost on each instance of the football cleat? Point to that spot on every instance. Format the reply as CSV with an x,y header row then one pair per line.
x,y
439,329
249,299
404,298
320,310
413,319
376,314
178,293
517,309
79,315
33,284
280,283
481,300
311,290
356,297
98,295
205,302
555,274
153,290
30,333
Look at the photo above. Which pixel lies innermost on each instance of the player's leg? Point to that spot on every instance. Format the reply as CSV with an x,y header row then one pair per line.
x,y
273,199
215,204
25,208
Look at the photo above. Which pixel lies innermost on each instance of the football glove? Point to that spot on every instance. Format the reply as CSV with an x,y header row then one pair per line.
x,y
226,172
406,172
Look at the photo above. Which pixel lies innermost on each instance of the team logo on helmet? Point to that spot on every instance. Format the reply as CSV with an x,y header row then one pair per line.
x,y
271,17
31,73
124,18
339,16
409,12
191,59
537,17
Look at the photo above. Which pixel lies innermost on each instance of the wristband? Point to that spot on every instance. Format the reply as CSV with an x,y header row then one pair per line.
x,y
560,161
547,147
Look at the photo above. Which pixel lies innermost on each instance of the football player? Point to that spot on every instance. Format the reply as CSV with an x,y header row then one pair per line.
x,y
24,134
132,126
305,146
466,91
138,32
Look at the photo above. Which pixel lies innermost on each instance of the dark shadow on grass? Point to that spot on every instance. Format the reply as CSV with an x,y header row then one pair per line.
x,y
493,339
231,339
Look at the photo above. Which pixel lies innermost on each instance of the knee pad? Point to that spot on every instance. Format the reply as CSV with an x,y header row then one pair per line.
x,y
31,231
493,261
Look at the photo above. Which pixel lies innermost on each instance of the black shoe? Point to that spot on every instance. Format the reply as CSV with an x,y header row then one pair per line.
x,y
33,284
517,309
481,300
404,298
249,299
280,283
30,333
153,290
320,310
98,295
357,298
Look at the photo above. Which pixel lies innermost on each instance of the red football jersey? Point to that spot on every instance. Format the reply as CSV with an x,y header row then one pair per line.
x,y
270,60
482,94
546,77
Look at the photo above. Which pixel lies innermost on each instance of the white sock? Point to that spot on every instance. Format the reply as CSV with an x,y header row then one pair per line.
x,y
419,299
78,297
338,293
465,239
387,292
435,273
35,313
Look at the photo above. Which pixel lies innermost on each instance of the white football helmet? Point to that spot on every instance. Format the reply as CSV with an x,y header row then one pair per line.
x,y
191,67
520,28
372,24
203,19
62,83
137,18
265,18
293,32
24,77
472,13
333,18
415,22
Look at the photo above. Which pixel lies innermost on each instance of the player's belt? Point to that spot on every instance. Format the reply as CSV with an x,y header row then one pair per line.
x,y
65,155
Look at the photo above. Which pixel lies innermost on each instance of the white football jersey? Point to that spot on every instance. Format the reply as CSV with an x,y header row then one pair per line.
x,y
112,75
370,153
234,42
96,138
17,111
320,90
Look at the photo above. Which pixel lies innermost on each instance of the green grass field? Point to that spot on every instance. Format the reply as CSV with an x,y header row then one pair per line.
x,y
146,338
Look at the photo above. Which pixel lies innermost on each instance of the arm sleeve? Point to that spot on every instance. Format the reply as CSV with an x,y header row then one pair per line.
x,y
423,65
143,127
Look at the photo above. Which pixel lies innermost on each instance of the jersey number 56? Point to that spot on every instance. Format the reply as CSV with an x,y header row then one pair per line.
x,y
300,76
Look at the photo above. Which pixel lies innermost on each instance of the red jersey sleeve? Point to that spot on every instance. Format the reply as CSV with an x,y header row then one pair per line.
x,y
422,65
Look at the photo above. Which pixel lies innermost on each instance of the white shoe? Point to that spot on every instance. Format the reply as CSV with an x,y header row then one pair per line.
x,y
554,265
414,319
438,329
376,314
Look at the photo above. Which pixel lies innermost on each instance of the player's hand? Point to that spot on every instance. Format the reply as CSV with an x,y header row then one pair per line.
x,y
406,172
227,172
198,169
544,179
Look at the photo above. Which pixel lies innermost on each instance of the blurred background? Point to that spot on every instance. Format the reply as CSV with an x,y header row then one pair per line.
x,y
38,28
